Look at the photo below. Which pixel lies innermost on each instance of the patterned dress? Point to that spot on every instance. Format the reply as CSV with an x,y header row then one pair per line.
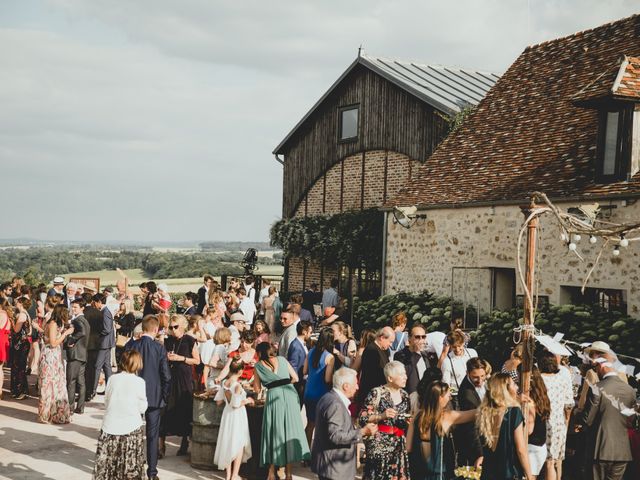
x,y
386,452
20,346
54,402
561,395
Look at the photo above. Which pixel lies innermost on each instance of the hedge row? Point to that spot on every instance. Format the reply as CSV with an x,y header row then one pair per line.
x,y
494,338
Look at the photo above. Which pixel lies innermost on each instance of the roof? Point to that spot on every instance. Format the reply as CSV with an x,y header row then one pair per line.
x,y
620,79
447,89
627,82
528,133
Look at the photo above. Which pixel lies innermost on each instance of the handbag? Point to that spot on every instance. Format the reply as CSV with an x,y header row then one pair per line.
x,y
121,340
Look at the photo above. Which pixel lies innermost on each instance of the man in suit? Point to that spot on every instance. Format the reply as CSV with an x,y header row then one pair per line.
x,y
607,430
414,357
157,377
76,345
297,354
188,304
472,391
203,293
95,319
374,358
106,341
333,451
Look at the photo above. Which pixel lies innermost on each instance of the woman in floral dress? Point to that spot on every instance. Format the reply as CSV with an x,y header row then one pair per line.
x,y
54,403
388,406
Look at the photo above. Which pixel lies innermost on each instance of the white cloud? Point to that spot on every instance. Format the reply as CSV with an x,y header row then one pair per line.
x,y
163,114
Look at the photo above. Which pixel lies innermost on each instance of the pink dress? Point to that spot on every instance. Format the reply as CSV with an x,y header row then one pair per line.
x,y
5,333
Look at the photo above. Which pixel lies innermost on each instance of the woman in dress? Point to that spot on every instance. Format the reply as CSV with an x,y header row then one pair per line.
x,y
20,345
560,394
234,443
6,317
183,354
121,448
53,406
269,310
537,417
319,367
431,451
500,424
387,406
283,441
262,331
218,357
246,354
345,346
125,322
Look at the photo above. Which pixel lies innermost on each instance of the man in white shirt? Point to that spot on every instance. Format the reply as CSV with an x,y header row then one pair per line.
x,y
289,319
454,367
264,293
247,306
112,303
248,286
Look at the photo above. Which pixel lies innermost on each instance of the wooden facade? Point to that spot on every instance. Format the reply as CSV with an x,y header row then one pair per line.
x,y
390,119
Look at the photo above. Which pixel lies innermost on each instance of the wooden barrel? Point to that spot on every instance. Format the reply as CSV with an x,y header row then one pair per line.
x,y
204,435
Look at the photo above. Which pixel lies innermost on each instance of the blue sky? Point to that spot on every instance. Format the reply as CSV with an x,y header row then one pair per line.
x,y
155,120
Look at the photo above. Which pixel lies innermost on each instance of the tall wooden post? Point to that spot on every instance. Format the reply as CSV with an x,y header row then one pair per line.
x,y
528,338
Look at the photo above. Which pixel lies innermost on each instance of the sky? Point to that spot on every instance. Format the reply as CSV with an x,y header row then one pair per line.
x,y
154,120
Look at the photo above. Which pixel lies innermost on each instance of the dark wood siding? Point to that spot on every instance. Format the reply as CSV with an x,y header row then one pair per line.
x,y
389,119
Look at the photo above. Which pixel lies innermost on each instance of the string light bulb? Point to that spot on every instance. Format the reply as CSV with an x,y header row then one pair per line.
x,y
577,237
624,242
563,237
573,247
592,239
616,251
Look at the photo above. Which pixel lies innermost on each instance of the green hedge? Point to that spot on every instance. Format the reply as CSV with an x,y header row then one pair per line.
x,y
494,337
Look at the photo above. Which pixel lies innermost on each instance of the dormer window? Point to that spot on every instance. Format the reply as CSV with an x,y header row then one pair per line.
x,y
348,123
615,135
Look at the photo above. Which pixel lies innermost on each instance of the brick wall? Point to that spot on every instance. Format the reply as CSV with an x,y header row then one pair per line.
x,y
384,174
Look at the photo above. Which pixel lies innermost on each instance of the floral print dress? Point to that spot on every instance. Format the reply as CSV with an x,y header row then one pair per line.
x,y
386,453
54,403
561,396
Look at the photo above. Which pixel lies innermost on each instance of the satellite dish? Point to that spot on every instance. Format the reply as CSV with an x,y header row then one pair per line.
x,y
405,216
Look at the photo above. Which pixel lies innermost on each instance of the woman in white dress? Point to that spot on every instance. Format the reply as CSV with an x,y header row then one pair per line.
x,y
234,444
218,358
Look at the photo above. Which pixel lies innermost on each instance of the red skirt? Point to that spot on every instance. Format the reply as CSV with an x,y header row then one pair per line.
x,y
4,346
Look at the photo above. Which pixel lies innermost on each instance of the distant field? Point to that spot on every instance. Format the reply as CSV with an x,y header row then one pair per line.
x,y
137,276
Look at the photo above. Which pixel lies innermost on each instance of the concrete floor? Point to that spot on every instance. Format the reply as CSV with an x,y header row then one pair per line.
x,y
36,451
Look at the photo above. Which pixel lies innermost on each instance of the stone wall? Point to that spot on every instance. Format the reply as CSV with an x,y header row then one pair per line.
x,y
424,256
341,189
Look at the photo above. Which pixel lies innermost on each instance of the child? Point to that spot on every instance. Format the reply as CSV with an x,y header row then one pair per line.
x,y
234,445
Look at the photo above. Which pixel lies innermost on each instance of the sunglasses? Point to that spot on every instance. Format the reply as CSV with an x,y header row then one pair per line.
x,y
419,337
174,327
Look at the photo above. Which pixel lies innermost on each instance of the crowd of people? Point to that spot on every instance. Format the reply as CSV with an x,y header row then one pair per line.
x,y
400,402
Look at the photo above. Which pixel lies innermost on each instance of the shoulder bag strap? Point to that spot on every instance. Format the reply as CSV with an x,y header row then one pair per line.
x,y
453,370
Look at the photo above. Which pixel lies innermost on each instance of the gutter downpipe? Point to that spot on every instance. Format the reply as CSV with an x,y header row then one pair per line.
x,y
279,160
384,254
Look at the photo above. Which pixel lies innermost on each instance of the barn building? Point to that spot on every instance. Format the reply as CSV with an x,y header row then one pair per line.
x,y
363,140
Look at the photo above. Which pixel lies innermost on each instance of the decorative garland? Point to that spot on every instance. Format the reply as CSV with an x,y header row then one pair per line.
x,y
352,239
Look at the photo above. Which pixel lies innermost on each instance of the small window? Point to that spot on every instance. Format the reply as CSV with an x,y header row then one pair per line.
x,y
614,144
349,123
609,299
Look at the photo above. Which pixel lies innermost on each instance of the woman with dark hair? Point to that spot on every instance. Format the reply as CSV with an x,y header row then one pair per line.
x,y
319,368
246,354
6,319
537,417
149,308
345,346
20,345
417,398
560,394
283,441
262,331
53,406
431,452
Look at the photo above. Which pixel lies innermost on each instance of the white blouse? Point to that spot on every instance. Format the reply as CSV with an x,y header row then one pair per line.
x,y
125,400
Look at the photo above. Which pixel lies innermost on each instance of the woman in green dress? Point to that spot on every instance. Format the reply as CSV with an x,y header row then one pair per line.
x,y
283,440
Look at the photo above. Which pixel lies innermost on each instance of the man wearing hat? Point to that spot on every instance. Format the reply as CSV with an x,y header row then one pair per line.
x,y
607,436
58,287
238,325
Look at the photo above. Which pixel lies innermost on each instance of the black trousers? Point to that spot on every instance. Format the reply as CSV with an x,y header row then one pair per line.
x,y
76,380
103,364
152,417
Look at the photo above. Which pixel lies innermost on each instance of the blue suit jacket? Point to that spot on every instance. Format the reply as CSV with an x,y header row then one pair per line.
x,y
155,370
106,334
296,356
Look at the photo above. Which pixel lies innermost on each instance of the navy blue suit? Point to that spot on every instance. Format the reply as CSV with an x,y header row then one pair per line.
x,y
296,356
157,378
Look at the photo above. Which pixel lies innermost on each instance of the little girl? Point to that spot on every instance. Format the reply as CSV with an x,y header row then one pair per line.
x,y
234,445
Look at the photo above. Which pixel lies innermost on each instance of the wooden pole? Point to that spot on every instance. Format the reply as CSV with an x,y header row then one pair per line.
x,y
528,338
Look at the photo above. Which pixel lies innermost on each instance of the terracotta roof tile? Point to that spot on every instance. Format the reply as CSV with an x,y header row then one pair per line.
x,y
528,133
627,83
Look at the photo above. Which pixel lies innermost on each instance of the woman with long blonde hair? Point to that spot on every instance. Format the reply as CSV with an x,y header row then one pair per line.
x,y
429,444
500,424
